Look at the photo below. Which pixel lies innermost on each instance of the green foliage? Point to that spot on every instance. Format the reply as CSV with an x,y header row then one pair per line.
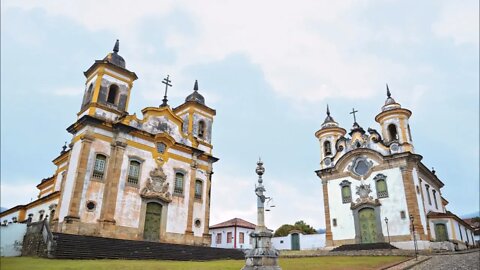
x,y
299,225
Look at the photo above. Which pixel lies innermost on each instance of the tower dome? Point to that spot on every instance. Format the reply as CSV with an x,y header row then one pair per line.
x,y
390,103
114,58
195,96
329,121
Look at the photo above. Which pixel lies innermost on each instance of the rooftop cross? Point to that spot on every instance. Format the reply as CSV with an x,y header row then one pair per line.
x,y
167,82
353,112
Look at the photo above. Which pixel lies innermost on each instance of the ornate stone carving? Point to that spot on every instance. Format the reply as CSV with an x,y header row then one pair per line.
x,y
363,191
157,187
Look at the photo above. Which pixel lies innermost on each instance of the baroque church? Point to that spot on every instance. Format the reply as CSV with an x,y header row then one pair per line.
x,y
377,189
129,177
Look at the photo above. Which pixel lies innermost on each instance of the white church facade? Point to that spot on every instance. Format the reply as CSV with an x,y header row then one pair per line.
x,y
129,177
376,188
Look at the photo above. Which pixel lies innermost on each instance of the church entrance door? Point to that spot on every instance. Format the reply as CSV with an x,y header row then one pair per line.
x,y
153,216
368,225
441,232
295,241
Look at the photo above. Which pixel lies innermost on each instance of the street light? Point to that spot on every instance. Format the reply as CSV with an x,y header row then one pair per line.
x,y
388,232
414,237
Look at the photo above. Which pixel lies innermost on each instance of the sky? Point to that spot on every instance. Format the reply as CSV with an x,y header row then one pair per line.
x,y
269,68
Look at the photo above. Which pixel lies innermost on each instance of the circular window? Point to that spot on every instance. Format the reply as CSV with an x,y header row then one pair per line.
x,y
361,167
91,205
198,223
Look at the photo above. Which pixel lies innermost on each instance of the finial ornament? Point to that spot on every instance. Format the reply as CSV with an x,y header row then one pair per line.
x,y
328,110
433,171
195,87
64,148
167,83
260,169
388,91
116,48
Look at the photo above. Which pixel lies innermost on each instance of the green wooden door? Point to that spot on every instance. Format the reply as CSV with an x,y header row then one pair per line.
x,y
295,241
441,232
368,225
153,216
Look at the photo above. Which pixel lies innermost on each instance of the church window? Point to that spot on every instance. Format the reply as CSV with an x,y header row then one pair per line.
x,y
403,215
219,238
381,185
392,131
427,187
99,167
161,147
327,147
198,223
112,94
91,205
460,230
241,238
435,198
14,219
229,237
178,183
198,189
133,172
201,129
346,191
409,133
361,166
334,221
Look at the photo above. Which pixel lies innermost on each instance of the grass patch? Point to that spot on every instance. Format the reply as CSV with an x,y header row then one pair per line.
x,y
312,263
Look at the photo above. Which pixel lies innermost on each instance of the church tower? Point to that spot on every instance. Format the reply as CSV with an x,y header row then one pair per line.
x,y
394,124
107,88
328,136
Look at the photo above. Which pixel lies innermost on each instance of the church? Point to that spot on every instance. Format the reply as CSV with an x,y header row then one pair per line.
x,y
129,177
377,189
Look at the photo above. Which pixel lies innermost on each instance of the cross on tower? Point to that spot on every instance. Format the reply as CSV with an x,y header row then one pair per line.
x,y
167,82
353,112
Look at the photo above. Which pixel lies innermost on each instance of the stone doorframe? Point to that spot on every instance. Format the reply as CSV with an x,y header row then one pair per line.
x,y
163,221
376,207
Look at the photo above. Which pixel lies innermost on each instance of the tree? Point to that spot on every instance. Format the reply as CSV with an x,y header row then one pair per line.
x,y
299,225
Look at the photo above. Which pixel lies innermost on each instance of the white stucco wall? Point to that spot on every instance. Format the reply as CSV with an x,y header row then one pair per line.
x,y
11,239
307,242
36,210
390,208
247,242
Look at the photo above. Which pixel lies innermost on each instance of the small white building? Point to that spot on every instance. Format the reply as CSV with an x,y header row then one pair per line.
x,y
233,233
296,240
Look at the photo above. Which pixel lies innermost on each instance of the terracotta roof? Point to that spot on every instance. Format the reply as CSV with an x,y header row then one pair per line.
x,y
235,222
475,225
449,214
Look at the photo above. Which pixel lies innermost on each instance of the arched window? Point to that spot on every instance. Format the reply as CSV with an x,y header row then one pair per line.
x,y
99,167
198,189
201,129
112,94
392,131
133,172
327,147
381,185
178,183
346,191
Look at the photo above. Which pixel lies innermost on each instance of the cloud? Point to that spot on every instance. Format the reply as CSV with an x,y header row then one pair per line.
x,y
13,194
459,21
68,91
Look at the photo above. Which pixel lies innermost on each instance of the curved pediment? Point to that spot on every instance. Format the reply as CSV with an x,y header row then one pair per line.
x,y
359,162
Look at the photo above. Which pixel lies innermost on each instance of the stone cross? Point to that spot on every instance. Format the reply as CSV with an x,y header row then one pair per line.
x,y
353,112
167,83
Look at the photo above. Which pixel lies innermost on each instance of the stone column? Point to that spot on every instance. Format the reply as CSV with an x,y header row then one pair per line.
x,y
73,216
412,202
207,238
328,228
110,191
189,239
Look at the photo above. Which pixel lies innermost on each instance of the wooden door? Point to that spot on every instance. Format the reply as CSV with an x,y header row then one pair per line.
x,y
441,232
153,217
368,225
295,241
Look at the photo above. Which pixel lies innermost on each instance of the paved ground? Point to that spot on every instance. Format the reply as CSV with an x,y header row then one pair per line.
x,y
469,261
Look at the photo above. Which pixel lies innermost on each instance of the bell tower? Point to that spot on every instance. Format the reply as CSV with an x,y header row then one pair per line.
x,y
394,124
107,87
327,136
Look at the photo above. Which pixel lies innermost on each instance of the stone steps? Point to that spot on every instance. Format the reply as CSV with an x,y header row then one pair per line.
x,y
370,246
69,246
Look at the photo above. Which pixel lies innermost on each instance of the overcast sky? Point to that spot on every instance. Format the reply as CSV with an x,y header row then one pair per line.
x,y
269,68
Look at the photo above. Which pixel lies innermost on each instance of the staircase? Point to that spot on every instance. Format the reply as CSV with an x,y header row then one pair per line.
x,y
70,246
371,246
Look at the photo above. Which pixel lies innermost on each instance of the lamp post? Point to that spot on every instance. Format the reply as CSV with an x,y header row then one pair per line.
x,y
388,232
414,237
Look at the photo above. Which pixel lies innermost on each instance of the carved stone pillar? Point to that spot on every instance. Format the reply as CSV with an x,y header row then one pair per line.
x,y
189,239
328,228
412,202
206,235
110,191
73,210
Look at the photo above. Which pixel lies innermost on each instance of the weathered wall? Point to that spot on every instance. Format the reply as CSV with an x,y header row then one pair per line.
x,y
247,241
